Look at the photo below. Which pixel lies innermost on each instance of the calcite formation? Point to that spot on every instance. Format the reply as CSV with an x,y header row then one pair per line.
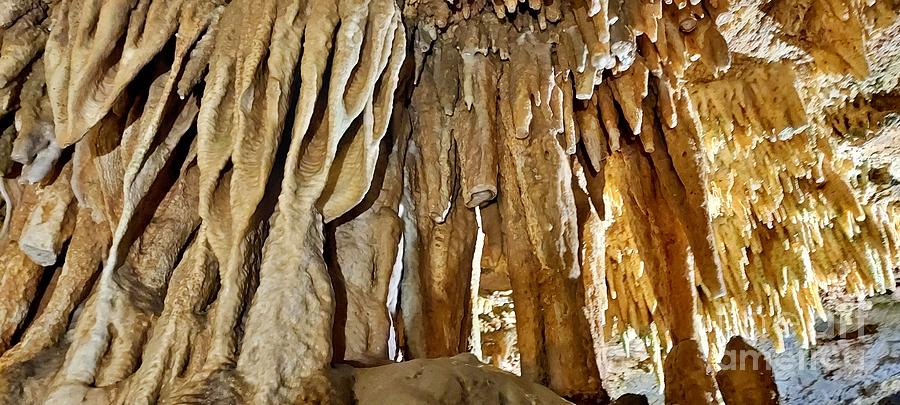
x,y
222,201
746,377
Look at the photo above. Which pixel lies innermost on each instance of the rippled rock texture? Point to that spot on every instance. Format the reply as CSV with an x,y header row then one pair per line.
x,y
219,201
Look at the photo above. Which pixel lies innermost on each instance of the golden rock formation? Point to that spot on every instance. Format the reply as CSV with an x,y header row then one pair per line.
x,y
220,201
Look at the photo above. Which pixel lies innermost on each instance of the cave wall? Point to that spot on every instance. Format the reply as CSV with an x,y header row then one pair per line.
x,y
211,200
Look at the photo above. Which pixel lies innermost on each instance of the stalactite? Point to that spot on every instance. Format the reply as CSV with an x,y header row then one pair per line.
x,y
177,333
445,268
84,77
432,153
474,139
144,274
83,257
686,178
539,172
359,62
50,224
35,145
21,276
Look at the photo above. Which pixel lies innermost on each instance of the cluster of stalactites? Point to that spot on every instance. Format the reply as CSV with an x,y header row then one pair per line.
x,y
745,185
213,182
783,202
591,39
533,123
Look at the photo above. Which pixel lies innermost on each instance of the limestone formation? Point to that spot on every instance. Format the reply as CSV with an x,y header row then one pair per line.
x,y
746,377
229,201
459,379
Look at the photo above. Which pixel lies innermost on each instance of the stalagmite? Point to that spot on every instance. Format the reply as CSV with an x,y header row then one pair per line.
x,y
445,266
366,334
688,380
746,377
457,379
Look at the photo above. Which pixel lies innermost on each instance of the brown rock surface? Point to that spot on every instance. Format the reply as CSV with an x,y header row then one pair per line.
x,y
455,380
746,377
212,200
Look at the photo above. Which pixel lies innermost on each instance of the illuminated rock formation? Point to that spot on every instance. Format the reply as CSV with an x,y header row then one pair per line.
x,y
219,201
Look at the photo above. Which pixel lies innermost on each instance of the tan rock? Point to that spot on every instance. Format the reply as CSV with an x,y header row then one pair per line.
x,y
745,376
688,378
